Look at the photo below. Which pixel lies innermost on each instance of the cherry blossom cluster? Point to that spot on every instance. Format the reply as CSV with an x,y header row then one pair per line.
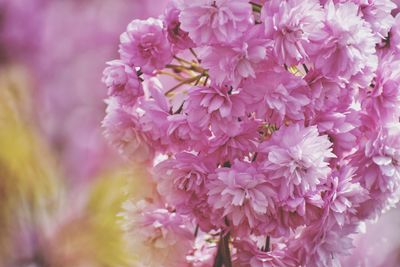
x,y
270,128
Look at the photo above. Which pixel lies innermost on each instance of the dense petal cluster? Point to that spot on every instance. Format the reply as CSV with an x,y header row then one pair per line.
x,y
270,128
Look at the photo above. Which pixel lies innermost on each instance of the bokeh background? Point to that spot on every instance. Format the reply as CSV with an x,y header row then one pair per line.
x,y
61,185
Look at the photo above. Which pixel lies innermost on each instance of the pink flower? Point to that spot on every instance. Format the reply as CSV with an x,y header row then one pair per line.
x,y
178,38
382,98
145,45
121,128
347,45
322,245
327,94
210,22
184,135
378,14
182,179
154,112
341,127
297,160
249,255
242,194
395,35
276,95
345,195
293,25
231,63
122,82
212,105
380,171
234,141
167,236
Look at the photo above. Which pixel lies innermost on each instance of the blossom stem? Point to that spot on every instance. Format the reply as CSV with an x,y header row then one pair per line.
x,y
181,60
192,67
186,81
194,54
305,68
223,257
177,77
256,7
267,248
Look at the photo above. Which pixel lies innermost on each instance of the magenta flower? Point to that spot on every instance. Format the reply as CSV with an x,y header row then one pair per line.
x,y
297,160
293,25
122,82
145,45
220,21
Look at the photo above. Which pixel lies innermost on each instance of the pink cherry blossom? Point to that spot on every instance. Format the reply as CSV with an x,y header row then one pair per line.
x,y
145,45
178,38
231,63
277,96
122,82
382,98
273,125
293,25
297,160
345,195
209,21
121,128
242,193
347,45
166,234
182,179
